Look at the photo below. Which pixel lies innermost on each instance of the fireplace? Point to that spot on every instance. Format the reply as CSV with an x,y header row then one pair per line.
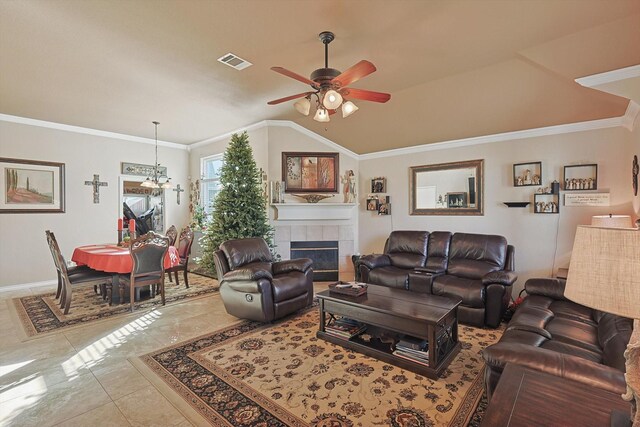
x,y
324,255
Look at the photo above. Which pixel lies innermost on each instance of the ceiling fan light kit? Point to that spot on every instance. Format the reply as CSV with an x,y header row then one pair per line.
x,y
330,87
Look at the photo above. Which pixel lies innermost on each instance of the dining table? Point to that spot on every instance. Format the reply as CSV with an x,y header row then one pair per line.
x,y
111,258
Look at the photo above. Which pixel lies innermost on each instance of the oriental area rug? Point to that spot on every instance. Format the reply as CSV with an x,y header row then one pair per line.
x,y
41,314
252,374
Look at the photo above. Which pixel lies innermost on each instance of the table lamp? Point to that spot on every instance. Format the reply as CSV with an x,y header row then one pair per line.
x,y
604,274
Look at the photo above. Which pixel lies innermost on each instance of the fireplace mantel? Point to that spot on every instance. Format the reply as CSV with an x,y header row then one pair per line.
x,y
313,211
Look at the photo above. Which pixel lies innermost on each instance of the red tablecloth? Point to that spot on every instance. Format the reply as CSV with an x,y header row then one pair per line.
x,y
114,259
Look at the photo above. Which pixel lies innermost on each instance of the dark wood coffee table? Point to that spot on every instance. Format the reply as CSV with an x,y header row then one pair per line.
x,y
397,312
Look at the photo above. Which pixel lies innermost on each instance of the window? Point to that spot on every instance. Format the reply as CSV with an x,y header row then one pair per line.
x,y
210,168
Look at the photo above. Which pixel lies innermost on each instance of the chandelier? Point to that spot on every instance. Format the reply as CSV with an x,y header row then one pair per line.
x,y
153,180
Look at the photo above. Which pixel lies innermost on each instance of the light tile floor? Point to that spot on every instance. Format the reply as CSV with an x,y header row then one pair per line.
x,y
82,377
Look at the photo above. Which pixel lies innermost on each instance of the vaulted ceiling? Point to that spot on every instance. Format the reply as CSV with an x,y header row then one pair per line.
x,y
454,68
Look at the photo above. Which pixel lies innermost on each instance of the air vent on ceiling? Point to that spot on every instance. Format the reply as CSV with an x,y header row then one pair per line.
x,y
234,61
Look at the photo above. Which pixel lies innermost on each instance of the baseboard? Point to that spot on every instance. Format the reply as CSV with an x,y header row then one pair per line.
x,y
23,286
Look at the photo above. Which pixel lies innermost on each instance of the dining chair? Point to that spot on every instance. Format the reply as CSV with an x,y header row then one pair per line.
x,y
147,253
184,251
81,276
172,234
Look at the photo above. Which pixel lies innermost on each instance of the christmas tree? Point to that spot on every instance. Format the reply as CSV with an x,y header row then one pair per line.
x,y
239,208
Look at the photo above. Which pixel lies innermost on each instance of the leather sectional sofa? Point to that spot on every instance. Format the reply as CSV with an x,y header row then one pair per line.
x,y
549,333
476,268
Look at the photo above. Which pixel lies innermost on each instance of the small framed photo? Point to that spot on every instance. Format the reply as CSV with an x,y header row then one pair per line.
x,y
456,200
581,177
372,204
379,185
384,208
526,174
31,186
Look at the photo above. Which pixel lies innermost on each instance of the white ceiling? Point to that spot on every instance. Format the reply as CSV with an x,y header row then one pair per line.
x,y
454,68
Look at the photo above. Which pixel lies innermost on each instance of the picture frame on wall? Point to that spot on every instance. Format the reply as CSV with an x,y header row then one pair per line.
x,y
527,174
310,172
372,204
457,200
581,177
384,208
31,186
379,185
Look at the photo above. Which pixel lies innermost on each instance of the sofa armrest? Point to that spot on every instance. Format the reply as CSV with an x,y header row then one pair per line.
x,y
562,365
433,271
375,261
506,278
552,288
254,271
300,264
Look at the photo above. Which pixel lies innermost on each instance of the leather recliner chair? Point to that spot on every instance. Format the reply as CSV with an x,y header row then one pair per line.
x,y
254,287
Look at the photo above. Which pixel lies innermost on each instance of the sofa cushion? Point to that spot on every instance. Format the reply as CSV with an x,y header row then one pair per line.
x,y
393,277
575,332
471,291
474,255
407,249
438,251
566,348
244,251
571,310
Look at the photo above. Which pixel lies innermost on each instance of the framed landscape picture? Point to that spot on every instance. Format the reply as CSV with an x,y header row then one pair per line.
x,y
30,186
310,172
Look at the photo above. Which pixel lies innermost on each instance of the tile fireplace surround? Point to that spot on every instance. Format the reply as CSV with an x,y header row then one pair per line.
x,y
344,234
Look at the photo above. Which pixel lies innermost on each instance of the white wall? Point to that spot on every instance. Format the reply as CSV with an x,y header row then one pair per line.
x,y
24,255
542,242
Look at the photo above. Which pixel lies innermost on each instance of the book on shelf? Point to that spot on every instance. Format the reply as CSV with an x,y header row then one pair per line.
x,y
413,353
344,328
412,358
412,343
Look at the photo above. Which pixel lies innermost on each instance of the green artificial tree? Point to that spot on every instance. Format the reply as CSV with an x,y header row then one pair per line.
x,y
239,208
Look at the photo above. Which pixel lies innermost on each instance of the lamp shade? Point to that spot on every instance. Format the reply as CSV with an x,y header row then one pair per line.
x,y
332,100
604,272
611,221
303,106
322,115
348,108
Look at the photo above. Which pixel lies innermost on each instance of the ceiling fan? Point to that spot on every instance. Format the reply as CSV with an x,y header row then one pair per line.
x,y
330,87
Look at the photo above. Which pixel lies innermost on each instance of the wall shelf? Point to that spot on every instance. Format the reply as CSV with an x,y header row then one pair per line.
x,y
313,211
517,204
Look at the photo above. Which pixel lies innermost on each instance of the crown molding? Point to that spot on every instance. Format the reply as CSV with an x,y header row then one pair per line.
x,y
630,116
88,131
507,136
278,123
609,76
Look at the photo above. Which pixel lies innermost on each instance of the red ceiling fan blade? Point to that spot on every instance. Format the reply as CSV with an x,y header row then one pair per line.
x,y
366,95
293,75
288,98
355,73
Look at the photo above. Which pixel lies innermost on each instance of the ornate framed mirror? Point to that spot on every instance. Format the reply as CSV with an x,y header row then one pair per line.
x,y
455,188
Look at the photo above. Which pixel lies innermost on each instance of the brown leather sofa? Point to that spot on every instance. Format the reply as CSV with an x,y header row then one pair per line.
x,y
478,268
551,334
254,287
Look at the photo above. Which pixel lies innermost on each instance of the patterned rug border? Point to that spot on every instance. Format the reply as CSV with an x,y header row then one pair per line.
x,y
28,332
192,406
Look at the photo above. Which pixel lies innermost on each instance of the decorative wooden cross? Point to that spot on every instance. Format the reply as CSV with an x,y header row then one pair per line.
x,y
96,187
178,190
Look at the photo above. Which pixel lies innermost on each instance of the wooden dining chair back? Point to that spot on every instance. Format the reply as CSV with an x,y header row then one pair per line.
x,y
172,234
55,261
184,251
74,276
147,253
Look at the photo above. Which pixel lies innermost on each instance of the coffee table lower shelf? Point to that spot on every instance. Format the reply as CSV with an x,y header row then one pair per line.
x,y
386,356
